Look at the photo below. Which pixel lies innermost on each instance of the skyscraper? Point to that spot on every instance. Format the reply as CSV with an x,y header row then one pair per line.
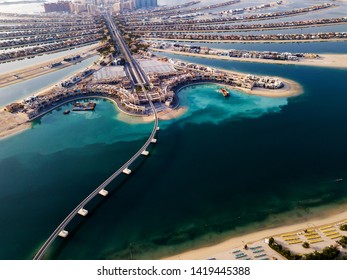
x,y
61,6
145,3
128,5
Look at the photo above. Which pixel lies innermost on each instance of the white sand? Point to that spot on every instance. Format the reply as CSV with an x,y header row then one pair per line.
x,y
246,41
12,123
325,60
224,247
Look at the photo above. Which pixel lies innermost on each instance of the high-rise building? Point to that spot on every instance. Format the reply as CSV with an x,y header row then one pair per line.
x,y
91,9
61,6
127,5
79,8
142,4
116,6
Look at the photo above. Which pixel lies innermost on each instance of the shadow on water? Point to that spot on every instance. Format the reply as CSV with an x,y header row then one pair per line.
x,y
76,225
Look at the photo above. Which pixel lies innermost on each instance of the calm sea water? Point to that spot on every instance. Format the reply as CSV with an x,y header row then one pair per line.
x,y
225,166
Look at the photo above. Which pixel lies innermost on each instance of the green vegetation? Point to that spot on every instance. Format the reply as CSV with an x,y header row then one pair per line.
x,y
343,227
283,251
328,253
138,88
104,50
343,241
306,245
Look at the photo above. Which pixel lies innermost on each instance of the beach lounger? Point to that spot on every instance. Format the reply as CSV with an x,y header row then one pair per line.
x,y
313,237
328,230
259,256
237,251
239,257
315,241
288,235
258,251
326,227
311,234
291,239
332,233
240,254
335,236
255,248
295,242
265,259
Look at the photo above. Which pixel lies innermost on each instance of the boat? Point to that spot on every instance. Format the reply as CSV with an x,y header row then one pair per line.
x,y
339,180
66,112
78,106
224,92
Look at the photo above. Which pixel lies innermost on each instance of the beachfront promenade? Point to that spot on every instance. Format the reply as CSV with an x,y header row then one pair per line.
x,y
80,208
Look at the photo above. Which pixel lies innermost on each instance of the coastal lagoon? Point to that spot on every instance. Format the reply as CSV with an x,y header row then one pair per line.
x,y
225,166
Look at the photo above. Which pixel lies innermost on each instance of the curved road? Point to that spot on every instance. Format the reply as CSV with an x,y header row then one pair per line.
x,y
74,212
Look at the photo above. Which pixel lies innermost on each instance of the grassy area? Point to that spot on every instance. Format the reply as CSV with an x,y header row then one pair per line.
x,y
328,253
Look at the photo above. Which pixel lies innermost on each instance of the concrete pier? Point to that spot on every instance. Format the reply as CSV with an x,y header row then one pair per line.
x,y
127,171
153,141
83,212
103,192
145,153
63,233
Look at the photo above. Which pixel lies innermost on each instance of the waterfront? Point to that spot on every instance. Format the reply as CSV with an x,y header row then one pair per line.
x,y
255,161
26,88
226,166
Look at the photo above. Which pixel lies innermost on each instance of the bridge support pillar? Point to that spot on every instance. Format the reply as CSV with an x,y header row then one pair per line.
x,y
153,141
63,233
145,153
127,171
83,212
103,192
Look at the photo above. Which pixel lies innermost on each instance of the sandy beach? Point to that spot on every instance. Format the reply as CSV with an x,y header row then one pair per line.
x,y
12,124
15,123
41,69
166,114
247,41
290,89
325,60
223,247
242,30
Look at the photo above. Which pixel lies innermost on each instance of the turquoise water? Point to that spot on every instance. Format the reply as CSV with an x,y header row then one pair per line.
x,y
226,164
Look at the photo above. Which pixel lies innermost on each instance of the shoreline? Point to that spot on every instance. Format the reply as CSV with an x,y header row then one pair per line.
x,y
247,41
15,124
49,52
290,89
38,70
241,30
325,60
334,216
